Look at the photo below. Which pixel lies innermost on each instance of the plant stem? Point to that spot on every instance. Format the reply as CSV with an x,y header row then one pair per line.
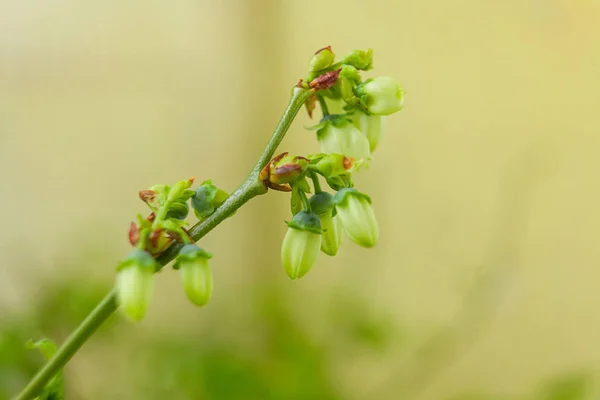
x,y
250,188
315,180
323,104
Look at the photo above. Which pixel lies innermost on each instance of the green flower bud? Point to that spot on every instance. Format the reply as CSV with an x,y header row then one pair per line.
x,y
384,96
322,205
360,59
301,244
135,281
207,198
196,275
334,165
322,59
287,169
178,210
357,217
341,137
372,126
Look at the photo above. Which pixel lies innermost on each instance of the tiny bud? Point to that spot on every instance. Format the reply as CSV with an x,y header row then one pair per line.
x,y
357,217
135,281
178,209
372,126
334,165
341,137
206,199
322,59
287,169
359,59
384,96
134,234
196,275
301,244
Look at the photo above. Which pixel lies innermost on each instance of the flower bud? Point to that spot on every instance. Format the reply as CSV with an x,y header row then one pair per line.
x,y
287,169
359,59
341,137
206,199
372,126
383,95
178,209
357,217
322,59
301,244
196,275
135,281
334,165
322,205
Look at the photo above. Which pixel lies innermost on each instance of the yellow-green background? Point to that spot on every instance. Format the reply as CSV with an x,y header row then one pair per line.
x,y
486,187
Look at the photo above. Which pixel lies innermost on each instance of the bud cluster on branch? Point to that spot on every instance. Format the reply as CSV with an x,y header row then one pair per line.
x,y
347,139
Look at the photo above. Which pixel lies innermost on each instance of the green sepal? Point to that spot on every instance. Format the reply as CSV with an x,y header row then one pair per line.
x,y
321,203
339,182
179,189
341,196
306,221
360,59
350,73
178,209
139,258
295,201
206,199
190,252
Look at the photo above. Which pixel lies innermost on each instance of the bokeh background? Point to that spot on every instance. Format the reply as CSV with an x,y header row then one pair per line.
x,y
484,285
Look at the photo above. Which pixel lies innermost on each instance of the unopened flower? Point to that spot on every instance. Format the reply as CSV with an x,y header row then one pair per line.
x,y
384,96
322,205
301,244
206,199
287,169
359,59
372,126
196,276
339,136
135,281
357,217
322,59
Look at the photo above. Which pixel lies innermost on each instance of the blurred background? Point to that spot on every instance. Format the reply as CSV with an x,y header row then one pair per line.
x,y
484,284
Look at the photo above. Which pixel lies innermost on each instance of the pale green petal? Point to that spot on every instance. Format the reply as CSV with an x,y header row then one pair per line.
x,y
134,290
299,251
197,280
358,220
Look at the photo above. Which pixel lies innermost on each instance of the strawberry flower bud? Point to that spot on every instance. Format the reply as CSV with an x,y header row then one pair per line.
x,y
339,136
372,126
196,276
357,217
383,95
301,244
322,205
135,281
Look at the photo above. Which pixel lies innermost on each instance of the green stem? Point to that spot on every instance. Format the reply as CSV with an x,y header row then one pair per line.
x,y
315,180
250,188
304,199
323,104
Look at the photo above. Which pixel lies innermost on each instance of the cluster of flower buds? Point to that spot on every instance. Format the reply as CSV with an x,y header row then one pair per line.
x,y
153,234
347,136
